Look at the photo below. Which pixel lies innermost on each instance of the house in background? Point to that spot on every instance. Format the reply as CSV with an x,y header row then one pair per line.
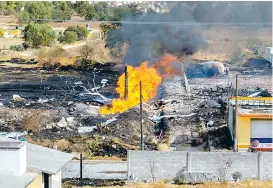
x,y
268,55
12,31
25,165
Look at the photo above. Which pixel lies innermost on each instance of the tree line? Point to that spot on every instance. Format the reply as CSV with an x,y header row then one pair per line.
x,y
63,10
102,11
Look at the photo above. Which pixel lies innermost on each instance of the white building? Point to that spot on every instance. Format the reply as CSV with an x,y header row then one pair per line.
x,y
268,54
25,165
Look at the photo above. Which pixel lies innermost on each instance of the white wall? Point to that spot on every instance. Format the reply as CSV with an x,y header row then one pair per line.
x,y
23,159
268,54
55,181
13,161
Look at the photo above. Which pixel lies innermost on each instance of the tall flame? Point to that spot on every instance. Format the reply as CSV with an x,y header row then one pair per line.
x,y
151,79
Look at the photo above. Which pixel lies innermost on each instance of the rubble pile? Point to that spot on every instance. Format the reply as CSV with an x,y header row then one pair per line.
x,y
206,107
127,127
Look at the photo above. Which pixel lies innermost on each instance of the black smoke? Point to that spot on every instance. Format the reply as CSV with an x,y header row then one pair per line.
x,y
151,40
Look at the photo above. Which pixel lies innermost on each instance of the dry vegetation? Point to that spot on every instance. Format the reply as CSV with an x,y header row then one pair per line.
x,y
30,119
242,184
88,146
36,120
224,41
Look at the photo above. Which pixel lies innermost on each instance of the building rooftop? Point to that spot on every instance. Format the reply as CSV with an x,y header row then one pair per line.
x,y
6,143
45,159
12,181
39,158
256,111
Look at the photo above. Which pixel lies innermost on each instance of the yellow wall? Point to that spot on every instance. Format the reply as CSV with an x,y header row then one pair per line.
x,y
244,130
36,183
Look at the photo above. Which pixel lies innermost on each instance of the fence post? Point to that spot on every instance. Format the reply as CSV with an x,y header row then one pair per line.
x,y
81,167
188,158
128,165
260,166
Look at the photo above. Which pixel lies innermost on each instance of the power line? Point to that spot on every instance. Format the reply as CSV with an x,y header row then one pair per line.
x,y
155,23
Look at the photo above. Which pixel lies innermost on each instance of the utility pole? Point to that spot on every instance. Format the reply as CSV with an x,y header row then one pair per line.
x,y
126,83
236,115
141,118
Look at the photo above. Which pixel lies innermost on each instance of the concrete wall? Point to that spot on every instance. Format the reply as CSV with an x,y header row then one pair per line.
x,y
13,160
55,180
169,165
160,165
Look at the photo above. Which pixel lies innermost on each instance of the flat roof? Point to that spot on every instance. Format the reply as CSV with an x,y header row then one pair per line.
x,y
6,143
40,158
45,159
261,112
12,181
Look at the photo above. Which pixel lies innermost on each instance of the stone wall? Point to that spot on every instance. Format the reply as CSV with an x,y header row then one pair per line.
x,y
147,165
158,165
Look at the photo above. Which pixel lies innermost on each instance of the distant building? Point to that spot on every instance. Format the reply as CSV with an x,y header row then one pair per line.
x,y
157,6
268,55
253,130
25,165
12,31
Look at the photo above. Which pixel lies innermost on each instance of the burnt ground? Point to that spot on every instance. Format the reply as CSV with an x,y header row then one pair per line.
x,y
55,109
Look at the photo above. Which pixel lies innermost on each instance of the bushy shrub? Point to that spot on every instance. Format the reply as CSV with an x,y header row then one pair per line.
x,y
17,47
68,37
162,147
35,121
84,64
36,35
87,50
50,57
2,32
80,31
179,181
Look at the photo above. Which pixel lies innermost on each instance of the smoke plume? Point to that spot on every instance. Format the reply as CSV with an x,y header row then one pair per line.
x,y
149,40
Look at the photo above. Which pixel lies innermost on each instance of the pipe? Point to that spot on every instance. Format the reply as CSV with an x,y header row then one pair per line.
x,y
126,83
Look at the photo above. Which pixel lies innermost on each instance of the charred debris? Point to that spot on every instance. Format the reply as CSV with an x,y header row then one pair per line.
x,y
70,105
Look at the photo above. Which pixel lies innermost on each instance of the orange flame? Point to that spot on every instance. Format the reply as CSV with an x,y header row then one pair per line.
x,y
165,66
151,79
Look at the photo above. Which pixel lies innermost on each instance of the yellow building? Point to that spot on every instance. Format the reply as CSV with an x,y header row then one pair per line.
x,y
253,128
12,33
36,183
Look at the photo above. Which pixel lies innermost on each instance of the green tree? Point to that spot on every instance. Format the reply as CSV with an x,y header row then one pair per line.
x,y
37,10
89,12
81,7
62,11
11,7
3,7
80,31
19,6
68,37
36,35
